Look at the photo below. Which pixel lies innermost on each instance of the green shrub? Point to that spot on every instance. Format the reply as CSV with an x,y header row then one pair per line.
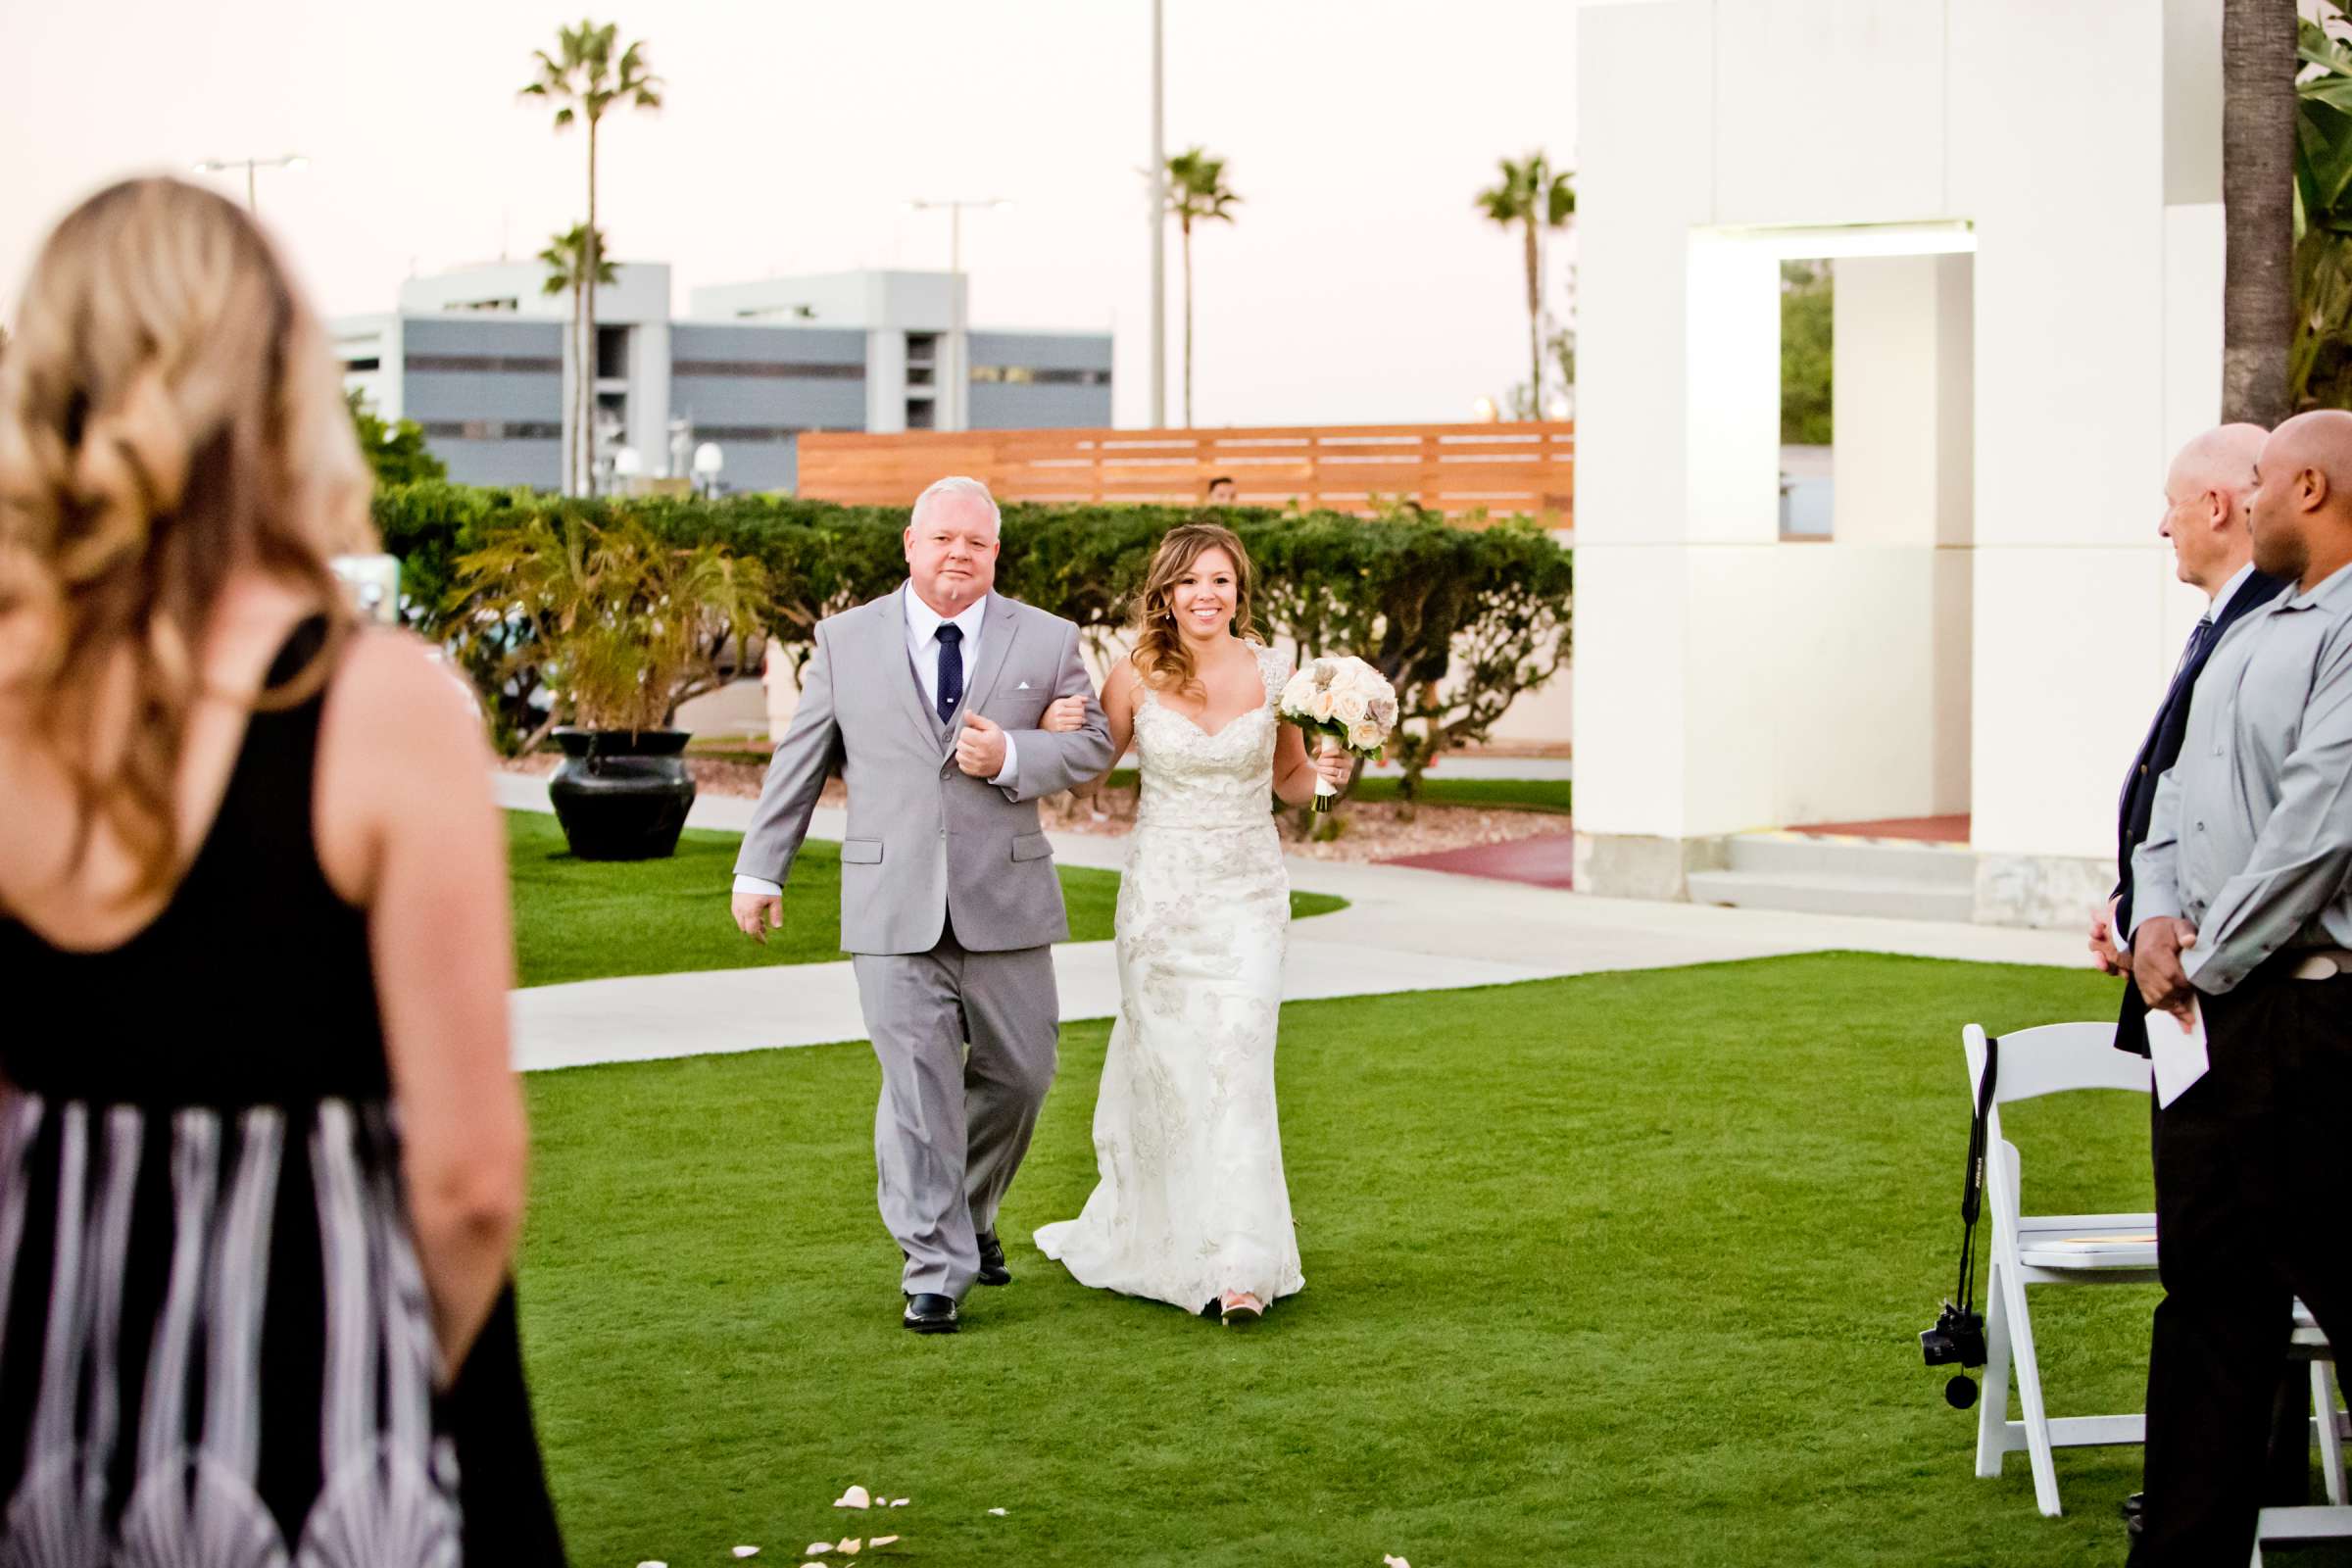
x,y
1461,620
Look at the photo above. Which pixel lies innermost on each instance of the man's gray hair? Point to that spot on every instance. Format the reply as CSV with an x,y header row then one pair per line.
x,y
956,484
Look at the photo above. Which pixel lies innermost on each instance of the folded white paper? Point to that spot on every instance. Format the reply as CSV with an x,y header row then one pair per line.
x,y
2178,1052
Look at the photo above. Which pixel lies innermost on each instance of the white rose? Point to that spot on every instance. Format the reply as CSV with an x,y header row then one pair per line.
x,y
1300,692
1365,736
1321,707
1350,707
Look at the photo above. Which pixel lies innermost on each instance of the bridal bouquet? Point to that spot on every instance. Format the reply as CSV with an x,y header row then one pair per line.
x,y
1348,703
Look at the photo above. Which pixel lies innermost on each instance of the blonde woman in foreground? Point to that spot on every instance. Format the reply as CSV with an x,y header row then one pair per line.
x,y
262,1156
1192,1208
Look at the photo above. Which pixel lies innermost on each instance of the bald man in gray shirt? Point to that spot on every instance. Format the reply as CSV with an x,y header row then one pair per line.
x,y
2244,916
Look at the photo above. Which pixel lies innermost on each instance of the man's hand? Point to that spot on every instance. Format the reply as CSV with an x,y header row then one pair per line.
x,y
1065,716
980,748
2156,952
759,914
2104,952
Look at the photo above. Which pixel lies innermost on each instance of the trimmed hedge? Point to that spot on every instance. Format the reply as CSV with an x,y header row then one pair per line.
x,y
1462,620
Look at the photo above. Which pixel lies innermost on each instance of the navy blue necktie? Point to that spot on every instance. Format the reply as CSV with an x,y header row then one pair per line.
x,y
951,671
2197,641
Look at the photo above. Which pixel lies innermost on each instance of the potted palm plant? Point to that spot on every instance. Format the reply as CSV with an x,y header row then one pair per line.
x,y
620,627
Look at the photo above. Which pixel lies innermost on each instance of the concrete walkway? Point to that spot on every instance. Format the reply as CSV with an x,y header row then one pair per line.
x,y
1404,930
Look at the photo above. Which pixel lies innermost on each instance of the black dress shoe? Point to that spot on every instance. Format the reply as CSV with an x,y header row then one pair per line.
x,y
931,1314
992,1260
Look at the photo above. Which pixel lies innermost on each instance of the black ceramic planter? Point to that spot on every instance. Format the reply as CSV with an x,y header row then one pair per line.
x,y
621,795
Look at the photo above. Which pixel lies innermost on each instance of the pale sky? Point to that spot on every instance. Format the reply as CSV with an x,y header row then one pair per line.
x,y
1357,286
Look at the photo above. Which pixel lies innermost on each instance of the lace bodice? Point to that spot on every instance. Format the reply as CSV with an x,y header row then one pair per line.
x,y
1193,780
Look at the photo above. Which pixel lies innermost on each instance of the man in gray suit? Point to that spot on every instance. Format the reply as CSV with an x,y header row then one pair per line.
x,y
929,701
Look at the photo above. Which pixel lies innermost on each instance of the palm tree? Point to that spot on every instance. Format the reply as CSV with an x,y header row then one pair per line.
x,y
2259,106
567,261
585,80
2320,364
1530,193
1196,192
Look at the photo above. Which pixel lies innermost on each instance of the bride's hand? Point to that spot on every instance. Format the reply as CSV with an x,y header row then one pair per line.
x,y
1067,717
1336,767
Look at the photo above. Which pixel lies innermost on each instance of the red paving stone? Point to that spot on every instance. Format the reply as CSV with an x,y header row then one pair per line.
x,y
1547,862
1920,829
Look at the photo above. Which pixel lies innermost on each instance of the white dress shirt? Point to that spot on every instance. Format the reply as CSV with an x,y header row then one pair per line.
x,y
923,651
2221,601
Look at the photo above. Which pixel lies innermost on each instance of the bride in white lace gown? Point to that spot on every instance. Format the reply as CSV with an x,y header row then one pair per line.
x,y
1192,1208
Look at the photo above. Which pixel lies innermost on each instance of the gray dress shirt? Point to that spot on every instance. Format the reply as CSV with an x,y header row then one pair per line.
x,y
2251,838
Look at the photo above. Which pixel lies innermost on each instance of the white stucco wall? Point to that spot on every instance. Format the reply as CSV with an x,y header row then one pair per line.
x,y
2092,330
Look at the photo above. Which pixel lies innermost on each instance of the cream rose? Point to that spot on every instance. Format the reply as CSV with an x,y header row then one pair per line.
x,y
1350,707
1322,706
1365,735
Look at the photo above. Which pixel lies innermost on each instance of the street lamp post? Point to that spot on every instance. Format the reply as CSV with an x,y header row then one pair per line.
x,y
957,379
222,165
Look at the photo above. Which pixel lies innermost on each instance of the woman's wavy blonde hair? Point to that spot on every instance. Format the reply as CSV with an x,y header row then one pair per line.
x,y
1160,657
169,412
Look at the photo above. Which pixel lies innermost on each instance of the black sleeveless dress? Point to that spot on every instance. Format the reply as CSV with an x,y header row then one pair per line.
x,y
215,1346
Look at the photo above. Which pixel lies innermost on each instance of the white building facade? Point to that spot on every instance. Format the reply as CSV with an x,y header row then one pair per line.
x,y
2023,202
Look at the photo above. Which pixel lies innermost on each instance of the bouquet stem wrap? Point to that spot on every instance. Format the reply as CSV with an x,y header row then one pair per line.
x,y
1324,793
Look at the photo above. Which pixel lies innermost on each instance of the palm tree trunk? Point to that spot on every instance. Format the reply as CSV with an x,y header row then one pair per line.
x,y
1187,324
572,403
2258,183
588,331
1534,335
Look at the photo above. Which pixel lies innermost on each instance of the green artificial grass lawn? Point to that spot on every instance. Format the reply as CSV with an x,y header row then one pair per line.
x,y
1625,1268
1513,794
1516,794
585,921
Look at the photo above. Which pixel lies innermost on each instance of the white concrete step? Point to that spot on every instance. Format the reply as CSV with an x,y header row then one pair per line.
x,y
1801,855
1897,898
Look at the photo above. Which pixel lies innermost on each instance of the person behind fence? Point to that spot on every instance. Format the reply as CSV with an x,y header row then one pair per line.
x,y
262,1155
2241,926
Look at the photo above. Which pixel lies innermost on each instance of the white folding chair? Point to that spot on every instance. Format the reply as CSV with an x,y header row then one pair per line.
x,y
2333,1520
2075,1249
2047,1249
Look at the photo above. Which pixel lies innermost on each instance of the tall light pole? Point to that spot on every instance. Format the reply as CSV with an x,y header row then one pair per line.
x,y
956,374
222,165
1160,219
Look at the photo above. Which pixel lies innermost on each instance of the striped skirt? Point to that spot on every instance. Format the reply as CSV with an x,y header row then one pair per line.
x,y
216,1348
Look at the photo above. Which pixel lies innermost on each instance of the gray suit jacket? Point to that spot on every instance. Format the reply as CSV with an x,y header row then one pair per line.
x,y
924,837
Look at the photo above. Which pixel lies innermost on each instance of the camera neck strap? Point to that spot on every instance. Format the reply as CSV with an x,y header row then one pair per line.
x,y
1971,1189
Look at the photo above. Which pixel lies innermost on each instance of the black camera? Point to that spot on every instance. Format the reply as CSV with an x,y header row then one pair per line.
x,y
1956,1340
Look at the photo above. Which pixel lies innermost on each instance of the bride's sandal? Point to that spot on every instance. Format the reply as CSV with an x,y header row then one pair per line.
x,y
1240,1307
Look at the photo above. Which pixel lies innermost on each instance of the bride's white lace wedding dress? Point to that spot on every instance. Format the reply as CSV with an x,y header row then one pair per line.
x,y
1192,1201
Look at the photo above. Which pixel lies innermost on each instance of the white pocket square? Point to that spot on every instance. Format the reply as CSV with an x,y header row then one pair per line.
x,y
1024,686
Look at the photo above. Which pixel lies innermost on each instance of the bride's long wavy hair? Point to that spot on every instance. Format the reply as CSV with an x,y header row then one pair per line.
x,y
1160,655
169,411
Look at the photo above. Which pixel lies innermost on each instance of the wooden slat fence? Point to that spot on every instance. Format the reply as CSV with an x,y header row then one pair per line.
x,y
1503,469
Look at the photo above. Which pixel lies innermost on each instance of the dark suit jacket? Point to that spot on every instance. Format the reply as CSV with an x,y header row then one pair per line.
x,y
2157,753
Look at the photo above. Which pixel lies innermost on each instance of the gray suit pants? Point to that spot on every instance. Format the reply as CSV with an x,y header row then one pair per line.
x,y
952,1126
